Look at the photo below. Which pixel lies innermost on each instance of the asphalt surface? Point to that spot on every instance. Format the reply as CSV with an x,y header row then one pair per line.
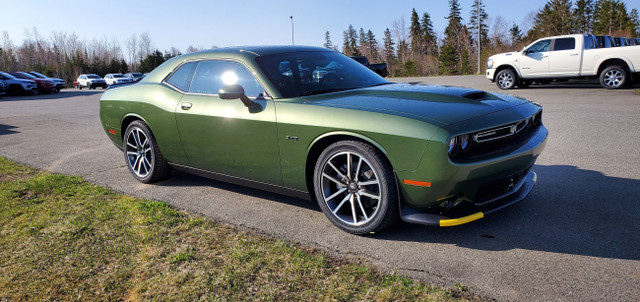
x,y
575,238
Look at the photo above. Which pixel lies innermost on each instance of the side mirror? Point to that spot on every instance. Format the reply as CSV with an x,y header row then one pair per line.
x,y
235,91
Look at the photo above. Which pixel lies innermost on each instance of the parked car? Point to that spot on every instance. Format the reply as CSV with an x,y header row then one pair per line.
x,y
134,76
380,68
44,85
367,150
116,78
562,58
17,86
3,88
59,83
604,41
621,41
90,81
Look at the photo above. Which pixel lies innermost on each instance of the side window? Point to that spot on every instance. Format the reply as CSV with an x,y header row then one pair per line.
x,y
210,76
540,46
565,44
181,78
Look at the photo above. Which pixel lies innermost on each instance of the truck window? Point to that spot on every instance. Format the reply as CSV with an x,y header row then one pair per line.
x,y
540,46
565,44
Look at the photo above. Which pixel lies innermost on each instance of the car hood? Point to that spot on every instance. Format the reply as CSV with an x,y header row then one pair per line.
x,y
505,57
439,105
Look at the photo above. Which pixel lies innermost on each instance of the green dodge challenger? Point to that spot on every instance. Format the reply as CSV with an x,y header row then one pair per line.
x,y
312,123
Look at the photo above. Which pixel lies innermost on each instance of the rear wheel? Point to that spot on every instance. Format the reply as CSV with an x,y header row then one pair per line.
x,y
354,186
506,79
613,77
142,154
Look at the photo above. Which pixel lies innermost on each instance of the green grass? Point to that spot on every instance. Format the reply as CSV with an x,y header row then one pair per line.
x,y
637,91
62,238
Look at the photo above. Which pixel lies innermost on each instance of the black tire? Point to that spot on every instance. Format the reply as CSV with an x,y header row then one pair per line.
x,y
355,187
15,90
142,154
79,86
613,77
506,79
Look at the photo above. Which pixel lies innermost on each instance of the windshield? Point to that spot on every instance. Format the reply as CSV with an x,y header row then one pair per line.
x,y
117,76
93,76
26,75
306,73
7,75
38,75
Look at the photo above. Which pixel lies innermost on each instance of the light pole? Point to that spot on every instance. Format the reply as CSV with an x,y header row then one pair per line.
x,y
292,43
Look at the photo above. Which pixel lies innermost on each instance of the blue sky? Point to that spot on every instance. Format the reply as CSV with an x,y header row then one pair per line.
x,y
228,23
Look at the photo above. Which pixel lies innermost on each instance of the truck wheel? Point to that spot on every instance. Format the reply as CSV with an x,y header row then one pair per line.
x,y
506,79
613,77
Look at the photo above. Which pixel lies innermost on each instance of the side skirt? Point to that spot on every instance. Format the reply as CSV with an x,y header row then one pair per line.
x,y
242,182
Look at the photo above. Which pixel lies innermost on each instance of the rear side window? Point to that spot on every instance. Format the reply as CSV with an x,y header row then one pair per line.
x,y
181,78
210,76
565,44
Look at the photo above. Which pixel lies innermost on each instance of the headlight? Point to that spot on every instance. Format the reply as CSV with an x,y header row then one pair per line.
x,y
489,63
453,146
458,143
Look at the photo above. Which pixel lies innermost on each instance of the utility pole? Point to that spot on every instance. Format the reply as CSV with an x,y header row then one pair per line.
x,y
292,43
478,21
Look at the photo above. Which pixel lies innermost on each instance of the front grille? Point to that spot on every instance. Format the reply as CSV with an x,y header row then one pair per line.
x,y
492,191
499,139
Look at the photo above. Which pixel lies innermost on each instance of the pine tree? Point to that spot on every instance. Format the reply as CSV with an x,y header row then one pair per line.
x,y
453,47
416,34
327,40
388,50
516,35
478,19
583,16
372,46
429,38
610,17
634,21
556,18
350,44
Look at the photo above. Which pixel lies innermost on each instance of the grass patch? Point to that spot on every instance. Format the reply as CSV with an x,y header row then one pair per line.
x,y
636,91
62,238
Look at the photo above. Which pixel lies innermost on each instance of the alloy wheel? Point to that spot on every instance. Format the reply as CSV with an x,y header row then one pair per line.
x,y
613,78
351,188
139,153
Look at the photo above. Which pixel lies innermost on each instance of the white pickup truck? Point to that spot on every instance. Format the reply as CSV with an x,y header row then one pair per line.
x,y
565,57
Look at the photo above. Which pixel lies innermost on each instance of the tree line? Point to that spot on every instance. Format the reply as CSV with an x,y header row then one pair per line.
x,y
66,56
414,49
418,50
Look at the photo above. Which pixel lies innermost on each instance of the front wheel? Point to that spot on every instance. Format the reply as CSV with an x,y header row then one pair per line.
x,y
613,77
355,188
142,154
506,79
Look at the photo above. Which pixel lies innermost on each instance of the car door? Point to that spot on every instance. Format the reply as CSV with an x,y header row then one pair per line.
x,y
225,136
564,58
534,62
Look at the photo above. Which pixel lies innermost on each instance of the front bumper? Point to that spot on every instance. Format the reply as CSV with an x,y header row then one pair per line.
x,y
472,213
490,73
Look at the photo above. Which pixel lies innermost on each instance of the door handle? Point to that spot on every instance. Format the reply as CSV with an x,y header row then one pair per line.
x,y
186,106
545,56
573,54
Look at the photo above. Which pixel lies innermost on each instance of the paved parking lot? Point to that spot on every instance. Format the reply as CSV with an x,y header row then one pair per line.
x,y
575,238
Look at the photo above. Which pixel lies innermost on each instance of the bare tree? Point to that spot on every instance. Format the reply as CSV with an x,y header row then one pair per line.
x,y
146,46
499,32
132,50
